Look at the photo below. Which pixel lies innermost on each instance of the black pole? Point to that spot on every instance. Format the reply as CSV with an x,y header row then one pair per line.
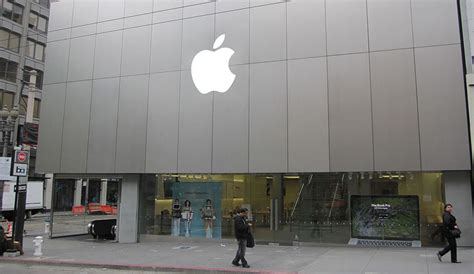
x,y
20,197
14,210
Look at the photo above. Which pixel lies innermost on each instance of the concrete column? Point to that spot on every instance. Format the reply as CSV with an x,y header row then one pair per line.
x,y
458,193
48,192
128,209
103,192
78,193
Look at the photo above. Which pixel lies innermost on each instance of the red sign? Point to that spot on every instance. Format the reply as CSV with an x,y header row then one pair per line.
x,y
22,156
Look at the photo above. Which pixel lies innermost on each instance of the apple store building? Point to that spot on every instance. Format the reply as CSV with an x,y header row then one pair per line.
x,y
332,121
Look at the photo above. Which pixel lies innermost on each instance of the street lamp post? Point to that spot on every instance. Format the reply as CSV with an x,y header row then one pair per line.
x,y
7,126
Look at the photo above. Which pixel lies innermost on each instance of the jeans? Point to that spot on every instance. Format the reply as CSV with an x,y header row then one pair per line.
x,y
451,247
240,256
176,226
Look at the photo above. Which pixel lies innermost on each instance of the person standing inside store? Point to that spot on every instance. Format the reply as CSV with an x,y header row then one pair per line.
x,y
176,214
242,228
451,231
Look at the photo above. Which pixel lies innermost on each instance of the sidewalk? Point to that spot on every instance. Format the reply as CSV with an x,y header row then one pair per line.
x,y
186,255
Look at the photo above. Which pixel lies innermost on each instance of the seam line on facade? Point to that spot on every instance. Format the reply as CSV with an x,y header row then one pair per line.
x,y
327,84
65,99
179,91
213,97
118,96
243,64
148,97
370,84
166,10
416,87
92,93
287,93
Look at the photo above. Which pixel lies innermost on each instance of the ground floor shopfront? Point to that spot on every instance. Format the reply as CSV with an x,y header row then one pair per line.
x,y
317,208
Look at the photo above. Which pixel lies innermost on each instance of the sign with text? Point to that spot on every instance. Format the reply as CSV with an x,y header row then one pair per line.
x,y
385,217
20,163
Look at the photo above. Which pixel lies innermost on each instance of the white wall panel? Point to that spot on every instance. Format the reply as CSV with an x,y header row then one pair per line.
x,y
306,28
51,124
350,113
131,129
268,117
166,53
81,58
442,107
76,127
395,111
268,33
308,129
346,26
435,22
103,126
136,51
162,128
389,24
108,54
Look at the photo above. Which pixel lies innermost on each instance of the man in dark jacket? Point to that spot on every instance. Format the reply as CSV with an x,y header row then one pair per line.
x,y
241,233
449,224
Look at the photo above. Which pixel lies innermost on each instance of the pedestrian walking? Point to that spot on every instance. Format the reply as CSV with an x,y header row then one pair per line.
x,y
450,231
242,229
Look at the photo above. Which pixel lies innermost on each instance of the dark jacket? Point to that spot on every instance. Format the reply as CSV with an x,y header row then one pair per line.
x,y
241,227
449,222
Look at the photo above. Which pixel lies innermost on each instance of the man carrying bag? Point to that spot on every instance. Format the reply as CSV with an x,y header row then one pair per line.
x,y
242,232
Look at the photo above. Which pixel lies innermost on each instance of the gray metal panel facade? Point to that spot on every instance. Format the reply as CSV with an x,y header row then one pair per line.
x,y
76,126
163,115
231,126
349,109
103,126
49,153
395,111
131,125
443,118
350,113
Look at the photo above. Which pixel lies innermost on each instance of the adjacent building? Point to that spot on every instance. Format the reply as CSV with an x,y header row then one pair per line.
x,y
346,120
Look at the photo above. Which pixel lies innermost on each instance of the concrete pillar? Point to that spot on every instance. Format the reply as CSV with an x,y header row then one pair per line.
x,y
78,193
458,193
128,209
103,192
48,192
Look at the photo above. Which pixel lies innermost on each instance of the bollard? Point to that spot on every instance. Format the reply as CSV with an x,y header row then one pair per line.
x,y
38,241
46,227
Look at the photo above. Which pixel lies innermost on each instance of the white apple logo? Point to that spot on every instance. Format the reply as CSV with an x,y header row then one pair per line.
x,y
210,69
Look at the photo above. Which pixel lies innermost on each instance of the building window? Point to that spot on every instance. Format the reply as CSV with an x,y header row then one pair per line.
x,y
44,3
6,98
9,40
39,77
24,106
36,109
8,70
35,50
37,22
12,11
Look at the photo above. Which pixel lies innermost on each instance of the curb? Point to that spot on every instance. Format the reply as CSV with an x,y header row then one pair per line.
x,y
140,267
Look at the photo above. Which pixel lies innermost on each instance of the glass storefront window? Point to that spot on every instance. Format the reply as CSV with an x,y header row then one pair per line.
x,y
78,202
319,207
